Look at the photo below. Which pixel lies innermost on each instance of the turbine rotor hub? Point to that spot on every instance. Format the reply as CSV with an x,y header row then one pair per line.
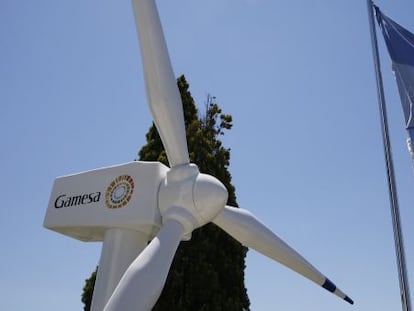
x,y
191,198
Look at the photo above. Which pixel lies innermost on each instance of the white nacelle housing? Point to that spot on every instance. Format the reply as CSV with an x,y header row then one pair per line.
x,y
85,205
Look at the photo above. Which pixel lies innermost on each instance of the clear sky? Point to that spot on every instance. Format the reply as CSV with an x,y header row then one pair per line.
x,y
307,157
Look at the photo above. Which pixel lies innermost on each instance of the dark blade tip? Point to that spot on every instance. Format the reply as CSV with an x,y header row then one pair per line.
x,y
328,285
347,299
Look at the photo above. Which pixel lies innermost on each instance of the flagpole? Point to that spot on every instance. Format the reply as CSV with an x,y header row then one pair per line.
x,y
398,239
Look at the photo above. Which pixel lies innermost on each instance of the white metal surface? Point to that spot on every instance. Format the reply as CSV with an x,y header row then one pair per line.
x,y
187,200
119,250
191,198
142,283
251,232
162,90
85,205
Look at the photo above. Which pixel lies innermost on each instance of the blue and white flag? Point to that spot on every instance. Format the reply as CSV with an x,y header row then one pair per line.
x,y
400,44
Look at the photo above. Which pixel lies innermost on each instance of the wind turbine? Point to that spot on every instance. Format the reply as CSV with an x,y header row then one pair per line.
x,y
127,205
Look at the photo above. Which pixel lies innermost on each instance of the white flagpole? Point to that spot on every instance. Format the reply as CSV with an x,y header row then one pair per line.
x,y
398,238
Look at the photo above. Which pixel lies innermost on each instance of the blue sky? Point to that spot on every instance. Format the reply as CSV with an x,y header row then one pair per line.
x,y
307,158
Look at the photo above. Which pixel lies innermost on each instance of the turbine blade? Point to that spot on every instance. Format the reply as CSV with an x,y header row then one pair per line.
x,y
142,283
248,230
162,91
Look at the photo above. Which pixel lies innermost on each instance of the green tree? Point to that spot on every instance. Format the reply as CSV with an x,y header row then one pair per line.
x,y
207,273
88,291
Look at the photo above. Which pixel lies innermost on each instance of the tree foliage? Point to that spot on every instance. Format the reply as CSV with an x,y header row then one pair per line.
x,y
88,291
207,273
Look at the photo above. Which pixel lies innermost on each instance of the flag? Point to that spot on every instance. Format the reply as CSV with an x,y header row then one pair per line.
x,y
400,45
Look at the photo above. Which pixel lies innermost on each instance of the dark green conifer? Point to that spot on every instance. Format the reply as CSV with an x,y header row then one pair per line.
x,y
88,291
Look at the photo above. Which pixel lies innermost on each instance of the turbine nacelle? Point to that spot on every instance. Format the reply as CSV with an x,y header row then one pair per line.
x,y
191,198
85,205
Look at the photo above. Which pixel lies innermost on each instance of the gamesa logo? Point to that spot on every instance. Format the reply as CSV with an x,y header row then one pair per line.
x,y
119,192
64,200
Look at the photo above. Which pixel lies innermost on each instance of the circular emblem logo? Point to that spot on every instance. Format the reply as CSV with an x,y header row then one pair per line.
x,y
119,192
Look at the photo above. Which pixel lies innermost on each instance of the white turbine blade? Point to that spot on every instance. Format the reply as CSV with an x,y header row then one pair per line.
x,y
249,231
162,91
142,283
